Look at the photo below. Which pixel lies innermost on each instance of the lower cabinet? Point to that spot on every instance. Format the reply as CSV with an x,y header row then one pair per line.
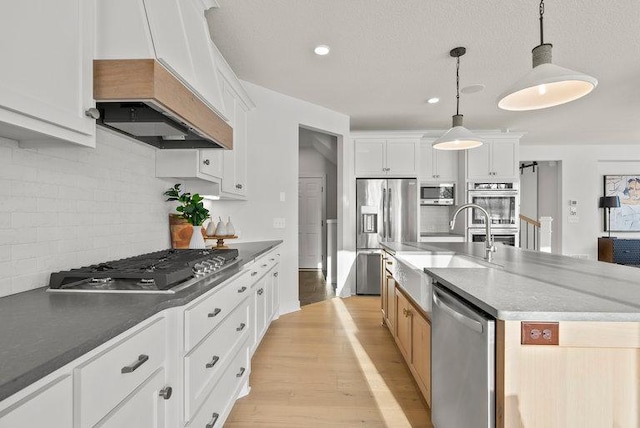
x,y
183,367
413,337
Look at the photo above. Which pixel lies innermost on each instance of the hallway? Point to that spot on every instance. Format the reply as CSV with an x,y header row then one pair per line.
x,y
313,288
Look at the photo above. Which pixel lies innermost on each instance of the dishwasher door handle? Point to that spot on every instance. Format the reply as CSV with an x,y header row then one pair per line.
x,y
469,322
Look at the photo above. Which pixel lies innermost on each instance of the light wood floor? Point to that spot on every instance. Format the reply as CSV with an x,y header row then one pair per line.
x,y
330,364
313,288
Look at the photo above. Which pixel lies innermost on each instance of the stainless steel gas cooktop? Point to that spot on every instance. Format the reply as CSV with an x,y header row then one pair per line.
x,y
166,271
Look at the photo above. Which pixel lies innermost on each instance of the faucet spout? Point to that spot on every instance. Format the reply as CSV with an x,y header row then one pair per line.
x,y
489,247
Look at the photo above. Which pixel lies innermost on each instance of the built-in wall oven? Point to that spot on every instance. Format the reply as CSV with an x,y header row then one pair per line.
x,y
502,201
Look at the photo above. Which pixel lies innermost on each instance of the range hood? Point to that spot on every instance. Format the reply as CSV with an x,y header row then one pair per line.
x,y
142,99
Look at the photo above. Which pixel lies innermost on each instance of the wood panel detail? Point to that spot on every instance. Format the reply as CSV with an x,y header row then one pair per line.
x,y
148,81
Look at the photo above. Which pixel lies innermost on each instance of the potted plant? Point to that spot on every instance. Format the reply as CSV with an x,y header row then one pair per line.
x,y
192,210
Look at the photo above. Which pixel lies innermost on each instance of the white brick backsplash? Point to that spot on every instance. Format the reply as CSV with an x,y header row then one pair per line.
x,y
63,208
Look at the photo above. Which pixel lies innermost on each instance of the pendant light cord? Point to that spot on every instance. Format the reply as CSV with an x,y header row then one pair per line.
x,y
541,27
458,86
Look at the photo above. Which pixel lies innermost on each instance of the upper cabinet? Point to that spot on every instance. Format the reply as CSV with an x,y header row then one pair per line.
x,y
386,157
46,82
437,165
495,160
171,31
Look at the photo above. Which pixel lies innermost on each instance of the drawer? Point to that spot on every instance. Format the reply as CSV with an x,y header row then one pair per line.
x,y
264,265
390,263
205,364
626,251
107,379
50,406
205,315
218,404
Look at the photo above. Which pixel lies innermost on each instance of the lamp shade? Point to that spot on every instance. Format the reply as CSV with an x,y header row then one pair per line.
x,y
609,202
457,138
546,85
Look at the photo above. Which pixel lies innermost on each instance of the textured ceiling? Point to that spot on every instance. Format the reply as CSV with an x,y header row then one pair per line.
x,y
388,57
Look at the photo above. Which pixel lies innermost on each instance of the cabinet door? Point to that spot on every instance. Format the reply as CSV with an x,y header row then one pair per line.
x,y
402,157
144,408
275,292
504,162
46,83
403,324
370,157
421,358
478,162
51,407
446,165
391,303
261,310
427,162
234,180
211,162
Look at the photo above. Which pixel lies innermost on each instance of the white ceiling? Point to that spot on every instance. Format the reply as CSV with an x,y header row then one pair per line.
x,y
388,57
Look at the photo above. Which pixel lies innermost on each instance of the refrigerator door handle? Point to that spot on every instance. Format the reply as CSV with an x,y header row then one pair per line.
x,y
384,211
388,208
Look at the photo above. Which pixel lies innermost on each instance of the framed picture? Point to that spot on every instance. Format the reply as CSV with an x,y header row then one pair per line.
x,y
627,188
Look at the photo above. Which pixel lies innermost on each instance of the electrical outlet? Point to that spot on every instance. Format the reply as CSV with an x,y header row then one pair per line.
x,y
540,333
278,223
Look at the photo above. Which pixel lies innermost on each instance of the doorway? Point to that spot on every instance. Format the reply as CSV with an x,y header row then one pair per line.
x,y
317,209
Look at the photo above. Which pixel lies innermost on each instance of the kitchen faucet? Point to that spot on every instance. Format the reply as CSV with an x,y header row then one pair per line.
x,y
489,248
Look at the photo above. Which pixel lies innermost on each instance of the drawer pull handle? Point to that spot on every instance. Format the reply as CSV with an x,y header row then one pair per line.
x,y
275,274
260,291
241,372
254,273
242,289
215,312
133,367
166,392
264,265
389,263
241,327
272,260
212,422
213,362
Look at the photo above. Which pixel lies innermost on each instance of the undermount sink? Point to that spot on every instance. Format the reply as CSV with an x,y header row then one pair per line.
x,y
439,260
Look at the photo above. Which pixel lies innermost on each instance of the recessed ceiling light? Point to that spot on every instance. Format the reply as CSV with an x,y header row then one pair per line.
x,y
433,100
472,89
322,50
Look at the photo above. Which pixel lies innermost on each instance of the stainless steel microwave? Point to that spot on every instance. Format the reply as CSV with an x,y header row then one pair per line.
x,y
437,194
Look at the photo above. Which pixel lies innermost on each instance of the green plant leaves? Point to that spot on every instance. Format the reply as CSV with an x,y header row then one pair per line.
x,y
192,208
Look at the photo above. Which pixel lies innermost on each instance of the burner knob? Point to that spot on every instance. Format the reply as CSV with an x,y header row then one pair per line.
x,y
199,269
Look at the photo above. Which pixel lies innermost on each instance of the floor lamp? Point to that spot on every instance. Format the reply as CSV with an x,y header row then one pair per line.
x,y
609,202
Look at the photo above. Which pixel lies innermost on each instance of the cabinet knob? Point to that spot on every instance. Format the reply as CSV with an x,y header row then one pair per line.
x,y
166,392
260,291
406,312
238,186
206,162
275,274
93,113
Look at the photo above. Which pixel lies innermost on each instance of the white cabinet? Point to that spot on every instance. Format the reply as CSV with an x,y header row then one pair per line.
x,y
437,165
495,160
234,178
46,82
50,406
386,157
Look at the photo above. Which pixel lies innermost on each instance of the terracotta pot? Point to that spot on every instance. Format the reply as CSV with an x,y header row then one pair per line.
x,y
181,231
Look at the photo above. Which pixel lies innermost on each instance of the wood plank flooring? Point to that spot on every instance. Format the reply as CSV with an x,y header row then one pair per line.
x,y
313,288
331,364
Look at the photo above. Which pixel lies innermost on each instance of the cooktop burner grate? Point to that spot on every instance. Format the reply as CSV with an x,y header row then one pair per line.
x,y
162,269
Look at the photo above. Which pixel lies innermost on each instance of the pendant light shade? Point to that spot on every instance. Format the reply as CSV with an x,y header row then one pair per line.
x,y
458,137
547,85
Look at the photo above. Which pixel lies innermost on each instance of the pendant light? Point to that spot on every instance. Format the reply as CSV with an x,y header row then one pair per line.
x,y
547,85
458,137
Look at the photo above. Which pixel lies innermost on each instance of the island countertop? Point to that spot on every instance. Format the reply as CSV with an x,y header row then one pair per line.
x,y
531,285
41,332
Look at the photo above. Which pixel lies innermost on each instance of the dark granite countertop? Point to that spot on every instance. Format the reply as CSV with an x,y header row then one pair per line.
x,y
41,332
531,285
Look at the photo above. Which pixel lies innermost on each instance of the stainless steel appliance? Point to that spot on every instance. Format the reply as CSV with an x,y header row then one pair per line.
x,y
462,362
500,236
387,211
166,271
437,194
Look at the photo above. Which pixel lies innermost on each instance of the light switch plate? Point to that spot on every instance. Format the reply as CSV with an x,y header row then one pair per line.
x,y
278,223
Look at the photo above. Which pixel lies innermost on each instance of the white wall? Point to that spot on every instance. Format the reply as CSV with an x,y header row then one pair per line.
x,y
583,167
272,165
550,199
63,208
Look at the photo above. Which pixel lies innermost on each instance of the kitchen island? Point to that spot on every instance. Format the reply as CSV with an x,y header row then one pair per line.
x,y
590,378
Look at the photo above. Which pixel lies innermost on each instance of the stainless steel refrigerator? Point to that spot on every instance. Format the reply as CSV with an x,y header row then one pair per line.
x,y
387,211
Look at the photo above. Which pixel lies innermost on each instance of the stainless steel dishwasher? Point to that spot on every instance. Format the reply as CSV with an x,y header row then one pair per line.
x,y
462,364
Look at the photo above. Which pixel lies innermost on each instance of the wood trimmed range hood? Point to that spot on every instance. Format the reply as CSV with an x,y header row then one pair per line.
x,y
142,99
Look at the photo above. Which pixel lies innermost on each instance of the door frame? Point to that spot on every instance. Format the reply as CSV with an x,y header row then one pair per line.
x,y
323,227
